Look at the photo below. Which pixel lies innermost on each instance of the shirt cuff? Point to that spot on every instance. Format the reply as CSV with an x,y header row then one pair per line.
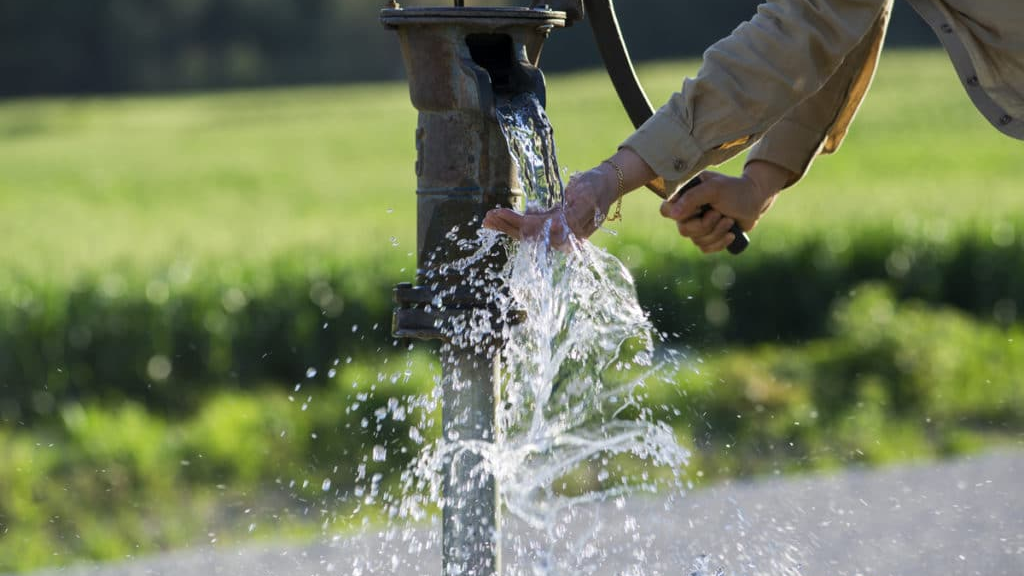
x,y
789,145
666,146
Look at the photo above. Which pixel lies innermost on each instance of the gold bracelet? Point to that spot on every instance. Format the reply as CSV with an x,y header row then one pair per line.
x,y
620,191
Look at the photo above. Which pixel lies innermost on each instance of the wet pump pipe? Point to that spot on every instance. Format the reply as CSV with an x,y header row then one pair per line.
x,y
460,61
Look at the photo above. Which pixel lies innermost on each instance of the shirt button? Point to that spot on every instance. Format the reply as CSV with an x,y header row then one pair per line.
x,y
972,81
946,28
1005,119
679,165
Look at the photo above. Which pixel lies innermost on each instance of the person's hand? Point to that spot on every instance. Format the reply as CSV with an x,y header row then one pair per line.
x,y
741,200
588,197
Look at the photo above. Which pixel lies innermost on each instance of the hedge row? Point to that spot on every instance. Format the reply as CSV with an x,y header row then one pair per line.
x,y
783,292
161,340
894,381
166,338
107,483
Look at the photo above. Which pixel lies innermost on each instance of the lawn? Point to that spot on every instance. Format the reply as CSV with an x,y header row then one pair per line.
x,y
97,184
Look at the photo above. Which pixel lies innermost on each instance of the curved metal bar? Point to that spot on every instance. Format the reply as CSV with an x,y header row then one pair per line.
x,y
612,47
608,37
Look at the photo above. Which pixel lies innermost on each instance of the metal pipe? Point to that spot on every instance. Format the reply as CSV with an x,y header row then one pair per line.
x,y
471,536
459,61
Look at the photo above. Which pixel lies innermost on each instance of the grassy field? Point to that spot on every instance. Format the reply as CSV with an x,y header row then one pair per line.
x,y
94,184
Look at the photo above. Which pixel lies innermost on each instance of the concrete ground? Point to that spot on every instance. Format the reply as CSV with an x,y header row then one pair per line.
x,y
963,517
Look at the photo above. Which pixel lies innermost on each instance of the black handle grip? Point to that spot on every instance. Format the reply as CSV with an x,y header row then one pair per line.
x,y
741,240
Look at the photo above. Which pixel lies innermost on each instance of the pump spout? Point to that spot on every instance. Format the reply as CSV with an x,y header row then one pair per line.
x,y
459,62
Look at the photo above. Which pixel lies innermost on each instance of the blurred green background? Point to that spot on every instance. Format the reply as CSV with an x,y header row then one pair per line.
x,y
195,303
90,46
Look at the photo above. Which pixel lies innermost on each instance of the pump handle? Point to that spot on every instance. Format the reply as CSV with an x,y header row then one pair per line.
x,y
740,240
611,45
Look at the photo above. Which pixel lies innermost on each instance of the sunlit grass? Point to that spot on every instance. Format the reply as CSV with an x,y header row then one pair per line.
x,y
89,184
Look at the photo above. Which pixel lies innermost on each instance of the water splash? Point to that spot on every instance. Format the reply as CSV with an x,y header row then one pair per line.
x,y
571,429
574,444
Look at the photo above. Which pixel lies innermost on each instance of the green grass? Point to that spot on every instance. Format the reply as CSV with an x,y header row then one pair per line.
x,y
94,184
89,184
246,465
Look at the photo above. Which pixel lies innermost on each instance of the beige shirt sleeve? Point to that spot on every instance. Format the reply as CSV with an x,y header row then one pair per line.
x,y
792,77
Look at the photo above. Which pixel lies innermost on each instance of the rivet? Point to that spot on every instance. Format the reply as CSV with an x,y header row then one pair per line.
x,y
972,81
679,165
946,28
1005,119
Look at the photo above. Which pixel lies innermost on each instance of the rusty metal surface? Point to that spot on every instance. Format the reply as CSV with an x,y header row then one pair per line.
x,y
418,316
574,9
529,26
460,63
488,16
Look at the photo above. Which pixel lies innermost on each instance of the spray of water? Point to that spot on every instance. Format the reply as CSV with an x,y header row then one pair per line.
x,y
571,430
573,441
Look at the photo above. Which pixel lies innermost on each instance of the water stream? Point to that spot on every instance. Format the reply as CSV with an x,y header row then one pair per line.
x,y
571,430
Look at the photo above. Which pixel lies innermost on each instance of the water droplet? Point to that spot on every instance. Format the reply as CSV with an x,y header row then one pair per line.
x,y
326,485
159,368
310,372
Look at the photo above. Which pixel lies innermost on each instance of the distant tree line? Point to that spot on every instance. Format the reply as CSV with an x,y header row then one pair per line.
x,y
96,46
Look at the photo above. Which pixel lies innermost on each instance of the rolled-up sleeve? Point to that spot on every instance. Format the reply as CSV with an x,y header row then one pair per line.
x,y
819,123
758,79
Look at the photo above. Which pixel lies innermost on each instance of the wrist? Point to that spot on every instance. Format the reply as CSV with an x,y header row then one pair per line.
x,y
618,193
768,179
609,190
635,170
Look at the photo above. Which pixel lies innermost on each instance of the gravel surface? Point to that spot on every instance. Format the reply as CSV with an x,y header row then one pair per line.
x,y
963,517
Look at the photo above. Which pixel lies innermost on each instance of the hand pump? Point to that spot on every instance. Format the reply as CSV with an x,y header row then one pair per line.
x,y
459,61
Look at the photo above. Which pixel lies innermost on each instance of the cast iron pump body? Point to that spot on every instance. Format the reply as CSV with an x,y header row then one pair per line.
x,y
460,63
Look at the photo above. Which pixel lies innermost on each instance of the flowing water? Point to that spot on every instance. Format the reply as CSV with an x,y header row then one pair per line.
x,y
574,445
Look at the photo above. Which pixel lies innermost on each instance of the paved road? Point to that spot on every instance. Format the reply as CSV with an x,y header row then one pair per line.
x,y
960,518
